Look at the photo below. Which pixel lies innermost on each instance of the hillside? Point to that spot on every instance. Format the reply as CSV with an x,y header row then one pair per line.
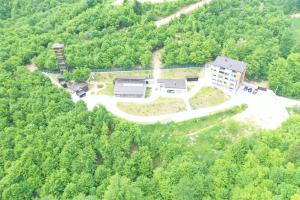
x,y
52,148
67,152
100,35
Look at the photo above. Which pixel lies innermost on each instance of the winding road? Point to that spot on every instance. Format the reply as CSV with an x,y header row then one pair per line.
x,y
264,109
184,10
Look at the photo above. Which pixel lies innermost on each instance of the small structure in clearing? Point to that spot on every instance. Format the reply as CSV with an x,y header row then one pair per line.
x,y
172,86
130,87
79,88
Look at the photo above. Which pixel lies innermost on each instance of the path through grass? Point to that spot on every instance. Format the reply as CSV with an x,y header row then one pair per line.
x,y
160,106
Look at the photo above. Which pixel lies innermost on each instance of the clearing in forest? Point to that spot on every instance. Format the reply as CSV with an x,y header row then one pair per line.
x,y
296,28
207,97
184,10
180,73
160,106
107,78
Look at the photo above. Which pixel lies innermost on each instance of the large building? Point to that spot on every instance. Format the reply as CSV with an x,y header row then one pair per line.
x,y
130,87
172,86
227,73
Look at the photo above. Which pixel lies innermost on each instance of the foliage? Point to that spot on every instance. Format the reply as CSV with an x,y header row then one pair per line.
x,y
52,148
98,35
78,74
67,152
284,75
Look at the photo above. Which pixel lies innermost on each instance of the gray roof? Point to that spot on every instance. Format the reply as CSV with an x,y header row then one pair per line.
x,y
130,86
173,83
130,79
58,46
231,64
77,86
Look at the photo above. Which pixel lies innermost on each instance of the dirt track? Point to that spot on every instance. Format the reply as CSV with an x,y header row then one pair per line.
x,y
295,15
184,10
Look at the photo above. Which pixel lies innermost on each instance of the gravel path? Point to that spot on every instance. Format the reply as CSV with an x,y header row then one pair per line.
x,y
295,15
184,10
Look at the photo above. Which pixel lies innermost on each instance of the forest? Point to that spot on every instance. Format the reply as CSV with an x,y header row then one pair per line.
x,y
52,148
97,36
67,152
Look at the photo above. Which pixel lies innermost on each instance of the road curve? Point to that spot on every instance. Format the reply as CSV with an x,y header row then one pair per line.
x,y
184,10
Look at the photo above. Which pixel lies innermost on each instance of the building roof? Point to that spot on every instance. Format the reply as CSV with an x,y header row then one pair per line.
x,y
129,79
173,83
130,86
80,93
58,46
77,86
231,64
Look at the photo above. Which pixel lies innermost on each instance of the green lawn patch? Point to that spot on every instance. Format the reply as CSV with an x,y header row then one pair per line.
x,y
160,106
180,73
207,97
296,28
193,125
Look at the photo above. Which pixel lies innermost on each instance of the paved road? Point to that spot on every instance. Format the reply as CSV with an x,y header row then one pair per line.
x,y
295,15
110,103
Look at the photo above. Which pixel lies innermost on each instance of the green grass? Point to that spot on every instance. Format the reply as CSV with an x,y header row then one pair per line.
x,y
294,110
207,97
193,125
207,136
296,28
108,78
180,73
211,142
160,106
148,92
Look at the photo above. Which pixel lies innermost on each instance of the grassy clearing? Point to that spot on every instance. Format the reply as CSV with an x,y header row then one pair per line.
x,y
148,92
108,77
180,73
294,110
193,125
296,28
160,106
208,97
211,142
207,136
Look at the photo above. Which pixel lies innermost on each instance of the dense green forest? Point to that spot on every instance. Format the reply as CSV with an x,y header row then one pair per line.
x,y
67,152
51,148
99,35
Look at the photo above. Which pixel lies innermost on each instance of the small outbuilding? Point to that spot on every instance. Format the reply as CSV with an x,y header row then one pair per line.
x,y
78,86
81,93
172,86
192,78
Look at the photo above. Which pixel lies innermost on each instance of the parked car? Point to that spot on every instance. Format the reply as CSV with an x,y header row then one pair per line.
x,y
245,88
249,90
255,91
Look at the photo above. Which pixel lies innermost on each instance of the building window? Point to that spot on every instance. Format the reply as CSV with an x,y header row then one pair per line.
x,y
171,91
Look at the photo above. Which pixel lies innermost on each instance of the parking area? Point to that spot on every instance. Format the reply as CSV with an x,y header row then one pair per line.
x,y
264,108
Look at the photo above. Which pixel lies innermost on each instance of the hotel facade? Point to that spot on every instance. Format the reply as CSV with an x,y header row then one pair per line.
x,y
227,73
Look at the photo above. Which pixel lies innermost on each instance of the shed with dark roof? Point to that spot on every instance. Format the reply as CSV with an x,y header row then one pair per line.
x,y
172,83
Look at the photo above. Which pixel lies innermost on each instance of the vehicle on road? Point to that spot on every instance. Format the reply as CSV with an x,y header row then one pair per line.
x,y
255,91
